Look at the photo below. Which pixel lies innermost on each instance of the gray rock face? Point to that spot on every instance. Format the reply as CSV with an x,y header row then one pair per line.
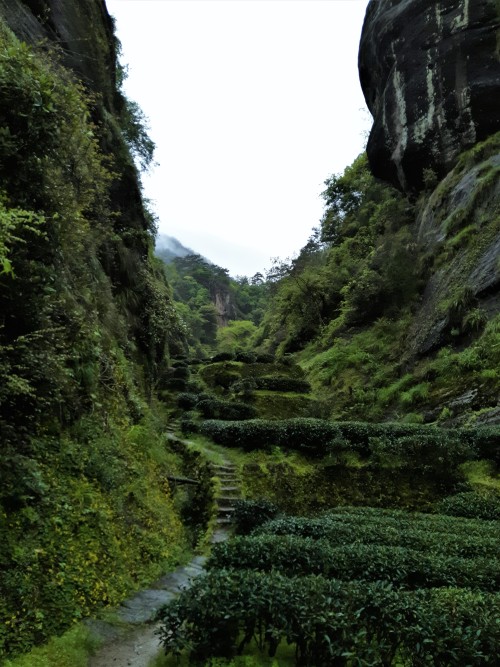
x,y
81,29
461,217
430,73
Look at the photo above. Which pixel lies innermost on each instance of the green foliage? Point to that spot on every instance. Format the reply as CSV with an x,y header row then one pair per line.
x,y
248,514
70,650
227,410
471,504
413,446
331,622
134,126
237,336
187,400
96,529
280,383
339,590
198,286
432,534
355,268
293,555
86,324
222,356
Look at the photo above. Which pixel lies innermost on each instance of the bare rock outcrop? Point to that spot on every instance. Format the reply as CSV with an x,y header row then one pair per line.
x,y
430,73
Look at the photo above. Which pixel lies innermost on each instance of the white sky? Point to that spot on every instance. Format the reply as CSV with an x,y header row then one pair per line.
x,y
252,105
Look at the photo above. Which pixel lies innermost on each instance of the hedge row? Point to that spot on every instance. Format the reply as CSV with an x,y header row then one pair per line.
x,y
248,514
403,520
231,410
245,357
472,505
417,536
410,569
419,446
214,408
332,623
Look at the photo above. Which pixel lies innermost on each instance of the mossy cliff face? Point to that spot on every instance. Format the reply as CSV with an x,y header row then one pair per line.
x,y
86,327
458,233
82,29
429,72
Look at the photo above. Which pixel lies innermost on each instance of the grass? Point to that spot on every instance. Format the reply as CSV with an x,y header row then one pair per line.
x,y
481,475
72,649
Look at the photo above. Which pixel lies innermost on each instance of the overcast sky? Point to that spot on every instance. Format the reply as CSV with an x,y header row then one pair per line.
x,y
252,105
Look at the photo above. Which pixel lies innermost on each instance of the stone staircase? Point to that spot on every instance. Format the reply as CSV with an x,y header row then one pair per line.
x,y
136,644
229,493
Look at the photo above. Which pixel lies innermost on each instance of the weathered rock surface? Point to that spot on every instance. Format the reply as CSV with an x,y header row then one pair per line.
x,y
81,29
460,220
430,73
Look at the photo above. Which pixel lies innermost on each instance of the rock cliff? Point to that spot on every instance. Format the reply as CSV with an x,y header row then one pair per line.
x,y
430,73
83,32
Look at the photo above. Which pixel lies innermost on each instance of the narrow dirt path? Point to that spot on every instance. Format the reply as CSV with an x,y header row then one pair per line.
x,y
136,643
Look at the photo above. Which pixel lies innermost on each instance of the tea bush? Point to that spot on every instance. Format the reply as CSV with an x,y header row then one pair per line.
x,y
332,622
420,448
187,400
472,505
248,514
400,566
213,408
453,538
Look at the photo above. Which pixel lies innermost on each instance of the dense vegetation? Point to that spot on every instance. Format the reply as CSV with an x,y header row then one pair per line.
x,y
345,595
385,323
219,312
357,373
86,327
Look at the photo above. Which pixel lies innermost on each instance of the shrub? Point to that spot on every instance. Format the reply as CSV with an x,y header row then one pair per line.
x,y
222,356
471,505
417,532
308,435
249,514
181,372
187,400
175,384
188,424
246,357
283,383
225,410
331,622
420,448
264,358
293,555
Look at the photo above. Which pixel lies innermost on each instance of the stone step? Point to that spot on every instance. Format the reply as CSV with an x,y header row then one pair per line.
x,y
225,510
224,521
226,500
230,489
219,535
225,468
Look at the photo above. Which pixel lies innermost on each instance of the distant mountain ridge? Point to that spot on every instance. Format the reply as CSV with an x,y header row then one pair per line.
x,y
168,248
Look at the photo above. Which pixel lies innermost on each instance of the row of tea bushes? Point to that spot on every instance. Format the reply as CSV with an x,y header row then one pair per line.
x,y
418,446
463,538
332,622
406,567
